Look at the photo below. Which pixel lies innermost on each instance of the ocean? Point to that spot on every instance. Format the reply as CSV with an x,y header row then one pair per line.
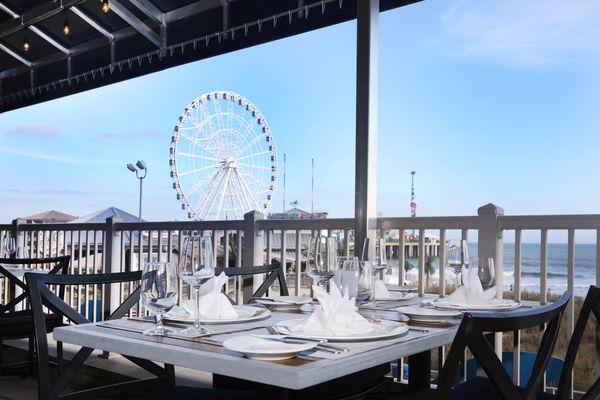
x,y
585,267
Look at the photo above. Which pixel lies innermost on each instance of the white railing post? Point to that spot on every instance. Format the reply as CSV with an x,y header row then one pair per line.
x,y
112,262
491,245
19,237
252,254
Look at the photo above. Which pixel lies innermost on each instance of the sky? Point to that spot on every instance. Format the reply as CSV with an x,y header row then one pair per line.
x,y
489,101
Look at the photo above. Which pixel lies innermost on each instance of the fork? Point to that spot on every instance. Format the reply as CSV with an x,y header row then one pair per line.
x,y
322,343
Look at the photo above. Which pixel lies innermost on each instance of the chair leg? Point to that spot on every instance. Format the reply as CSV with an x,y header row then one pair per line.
x,y
30,356
170,375
59,357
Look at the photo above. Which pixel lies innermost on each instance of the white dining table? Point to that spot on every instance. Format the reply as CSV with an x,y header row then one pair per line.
x,y
207,354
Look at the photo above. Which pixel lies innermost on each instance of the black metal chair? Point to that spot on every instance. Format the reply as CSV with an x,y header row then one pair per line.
x,y
591,305
41,297
19,324
274,272
498,384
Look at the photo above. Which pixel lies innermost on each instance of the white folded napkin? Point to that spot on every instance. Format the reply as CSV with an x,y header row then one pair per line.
x,y
336,315
471,292
381,291
213,303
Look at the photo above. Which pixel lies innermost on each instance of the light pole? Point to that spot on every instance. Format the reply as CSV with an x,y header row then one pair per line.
x,y
138,168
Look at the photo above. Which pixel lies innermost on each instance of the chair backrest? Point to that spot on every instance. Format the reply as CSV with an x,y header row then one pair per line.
x,y
591,305
41,296
274,272
57,264
471,335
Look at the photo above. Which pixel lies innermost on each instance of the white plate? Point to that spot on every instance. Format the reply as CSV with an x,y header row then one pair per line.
x,y
431,315
245,314
397,296
497,305
381,330
257,348
284,301
397,288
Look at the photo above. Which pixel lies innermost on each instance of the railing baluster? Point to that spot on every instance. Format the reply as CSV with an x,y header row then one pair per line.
x,y
238,264
401,257
298,262
421,262
571,289
283,252
571,282
442,263
517,296
226,258
544,266
79,256
86,288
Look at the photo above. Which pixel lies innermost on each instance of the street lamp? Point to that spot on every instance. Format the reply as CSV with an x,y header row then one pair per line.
x,y
138,168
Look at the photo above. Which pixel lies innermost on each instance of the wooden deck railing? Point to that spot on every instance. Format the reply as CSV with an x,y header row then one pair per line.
x,y
120,246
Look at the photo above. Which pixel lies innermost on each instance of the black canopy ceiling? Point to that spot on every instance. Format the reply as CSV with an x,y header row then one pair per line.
x,y
137,37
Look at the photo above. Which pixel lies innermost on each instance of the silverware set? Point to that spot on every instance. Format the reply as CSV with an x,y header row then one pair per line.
x,y
322,343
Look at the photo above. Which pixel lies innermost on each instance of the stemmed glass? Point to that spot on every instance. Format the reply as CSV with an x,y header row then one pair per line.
x,y
196,266
347,275
322,259
486,272
379,266
10,247
365,281
457,257
159,293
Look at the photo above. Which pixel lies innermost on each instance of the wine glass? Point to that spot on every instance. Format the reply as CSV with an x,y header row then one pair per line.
x,y
486,272
378,267
457,257
347,275
365,281
319,267
10,248
159,293
196,266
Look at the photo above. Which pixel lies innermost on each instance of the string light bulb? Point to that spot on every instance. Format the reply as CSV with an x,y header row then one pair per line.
x,y
26,45
66,28
105,6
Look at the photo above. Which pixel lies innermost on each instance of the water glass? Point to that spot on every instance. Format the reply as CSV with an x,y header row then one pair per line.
x,y
347,275
365,281
196,266
457,257
321,266
159,292
10,247
486,272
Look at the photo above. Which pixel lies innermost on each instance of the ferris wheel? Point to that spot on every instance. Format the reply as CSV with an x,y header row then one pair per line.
x,y
223,158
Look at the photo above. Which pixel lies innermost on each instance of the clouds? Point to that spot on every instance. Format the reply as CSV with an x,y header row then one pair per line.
x,y
526,33
35,154
141,134
34,131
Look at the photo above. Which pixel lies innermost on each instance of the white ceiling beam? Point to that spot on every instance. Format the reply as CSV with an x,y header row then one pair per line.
x,y
14,54
36,30
91,22
49,39
37,14
150,10
135,22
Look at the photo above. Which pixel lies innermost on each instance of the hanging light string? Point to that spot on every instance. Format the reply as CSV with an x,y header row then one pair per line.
x,y
298,13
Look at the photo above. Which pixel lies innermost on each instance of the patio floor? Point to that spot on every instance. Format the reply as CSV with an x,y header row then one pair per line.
x,y
113,370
